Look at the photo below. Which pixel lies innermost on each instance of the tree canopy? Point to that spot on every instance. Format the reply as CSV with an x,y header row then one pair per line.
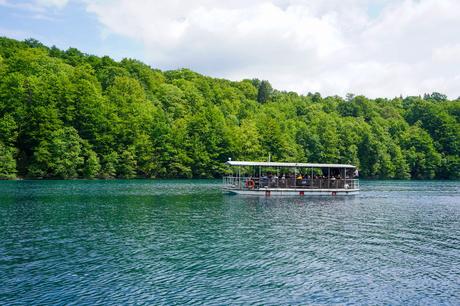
x,y
66,114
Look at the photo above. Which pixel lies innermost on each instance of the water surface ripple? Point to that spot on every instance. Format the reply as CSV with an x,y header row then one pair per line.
x,y
183,242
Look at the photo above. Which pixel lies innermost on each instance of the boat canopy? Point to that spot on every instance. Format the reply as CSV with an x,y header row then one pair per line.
x,y
287,165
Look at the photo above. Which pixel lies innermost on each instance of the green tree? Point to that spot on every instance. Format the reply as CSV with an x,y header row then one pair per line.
x,y
66,114
422,157
59,156
127,164
109,165
7,162
91,167
265,91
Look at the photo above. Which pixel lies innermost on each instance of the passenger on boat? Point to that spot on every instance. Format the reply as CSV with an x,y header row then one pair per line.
x,y
356,173
274,181
283,181
304,180
264,181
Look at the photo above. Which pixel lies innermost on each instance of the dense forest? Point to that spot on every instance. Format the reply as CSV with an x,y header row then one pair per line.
x,y
66,114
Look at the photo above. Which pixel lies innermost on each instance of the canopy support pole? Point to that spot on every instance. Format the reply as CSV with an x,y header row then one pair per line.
x,y
311,179
277,177
239,177
295,177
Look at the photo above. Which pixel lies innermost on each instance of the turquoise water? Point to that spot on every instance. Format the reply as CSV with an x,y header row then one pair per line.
x,y
182,242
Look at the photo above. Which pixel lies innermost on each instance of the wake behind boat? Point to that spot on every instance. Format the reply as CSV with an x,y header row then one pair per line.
x,y
291,179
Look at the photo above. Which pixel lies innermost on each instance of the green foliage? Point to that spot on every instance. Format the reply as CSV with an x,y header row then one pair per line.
x,y
109,165
264,91
422,157
59,156
7,162
91,166
66,114
8,130
127,164
436,96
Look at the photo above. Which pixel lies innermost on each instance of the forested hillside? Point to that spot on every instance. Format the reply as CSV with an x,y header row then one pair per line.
x,y
65,114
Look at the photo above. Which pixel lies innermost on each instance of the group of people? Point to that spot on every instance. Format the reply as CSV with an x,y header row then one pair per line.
x,y
296,179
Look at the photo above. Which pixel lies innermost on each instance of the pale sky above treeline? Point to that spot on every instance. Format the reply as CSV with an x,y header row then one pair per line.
x,y
379,48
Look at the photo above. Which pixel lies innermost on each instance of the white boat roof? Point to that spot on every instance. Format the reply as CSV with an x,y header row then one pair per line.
x,y
290,165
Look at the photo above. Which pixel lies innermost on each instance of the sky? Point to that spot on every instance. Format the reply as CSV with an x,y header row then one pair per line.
x,y
378,48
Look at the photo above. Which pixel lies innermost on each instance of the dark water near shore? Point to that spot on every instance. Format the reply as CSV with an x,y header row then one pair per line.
x,y
177,242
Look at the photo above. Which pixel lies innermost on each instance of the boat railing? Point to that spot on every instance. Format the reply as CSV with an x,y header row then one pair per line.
x,y
248,183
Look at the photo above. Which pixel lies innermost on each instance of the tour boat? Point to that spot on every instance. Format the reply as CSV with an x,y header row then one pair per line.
x,y
291,179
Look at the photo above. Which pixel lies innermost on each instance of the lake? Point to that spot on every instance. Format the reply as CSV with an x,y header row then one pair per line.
x,y
183,241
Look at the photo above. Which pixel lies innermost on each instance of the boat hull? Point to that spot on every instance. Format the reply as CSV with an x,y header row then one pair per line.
x,y
295,192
